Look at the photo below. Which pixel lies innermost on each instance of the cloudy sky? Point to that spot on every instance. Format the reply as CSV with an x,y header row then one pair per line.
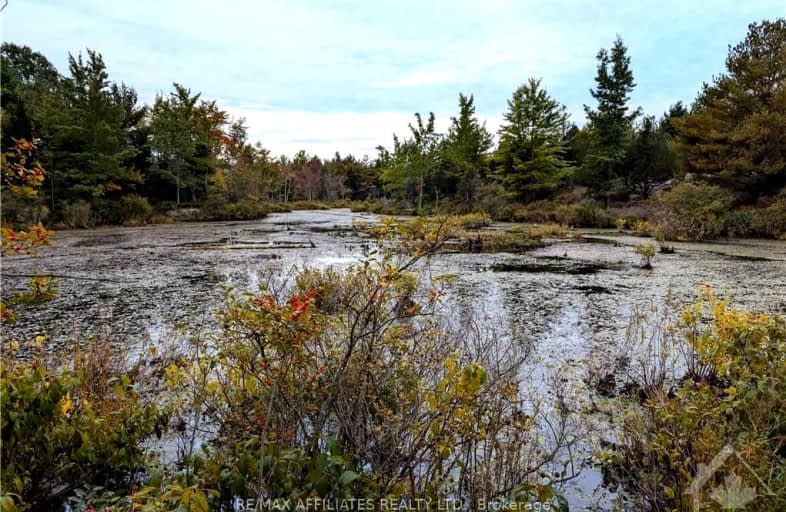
x,y
344,75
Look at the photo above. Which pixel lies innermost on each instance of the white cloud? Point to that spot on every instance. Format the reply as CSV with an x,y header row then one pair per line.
x,y
323,133
420,78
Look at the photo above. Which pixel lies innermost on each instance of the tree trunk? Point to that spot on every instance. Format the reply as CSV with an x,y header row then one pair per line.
x,y
420,194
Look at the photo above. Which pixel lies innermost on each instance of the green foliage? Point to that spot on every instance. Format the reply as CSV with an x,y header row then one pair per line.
x,y
589,213
135,209
649,160
173,124
413,161
100,145
66,428
88,140
246,210
738,223
464,150
611,121
695,211
531,153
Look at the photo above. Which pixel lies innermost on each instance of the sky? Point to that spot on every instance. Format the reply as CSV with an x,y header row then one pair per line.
x,y
329,76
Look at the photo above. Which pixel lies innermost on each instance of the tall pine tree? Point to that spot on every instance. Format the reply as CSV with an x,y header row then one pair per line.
x,y
464,149
611,119
90,137
530,160
735,135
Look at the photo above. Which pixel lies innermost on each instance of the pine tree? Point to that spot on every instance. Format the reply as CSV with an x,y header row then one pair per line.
x,y
611,120
531,155
464,149
735,135
89,137
649,160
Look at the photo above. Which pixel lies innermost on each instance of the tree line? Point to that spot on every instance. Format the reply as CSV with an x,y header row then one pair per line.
x,y
102,148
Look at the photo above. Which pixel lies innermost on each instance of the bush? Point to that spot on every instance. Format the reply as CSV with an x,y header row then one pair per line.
x,y
734,393
492,199
646,252
313,389
23,211
590,214
474,220
65,428
695,211
738,223
216,209
78,215
134,209
246,210
770,221
160,218
308,205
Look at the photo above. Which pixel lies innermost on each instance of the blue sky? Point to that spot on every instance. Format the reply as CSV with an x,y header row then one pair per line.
x,y
345,75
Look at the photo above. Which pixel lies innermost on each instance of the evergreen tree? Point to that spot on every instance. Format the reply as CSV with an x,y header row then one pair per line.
x,y
531,154
88,139
649,160
29,84
611,120
735,134
464,150
676,111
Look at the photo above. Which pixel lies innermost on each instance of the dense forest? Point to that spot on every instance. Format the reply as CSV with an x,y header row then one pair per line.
x,y
110,159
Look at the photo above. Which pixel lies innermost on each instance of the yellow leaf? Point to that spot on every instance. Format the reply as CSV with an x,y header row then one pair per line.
x,y
67,404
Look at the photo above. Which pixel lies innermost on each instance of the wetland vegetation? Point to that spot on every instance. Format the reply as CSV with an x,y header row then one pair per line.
x,y
567,318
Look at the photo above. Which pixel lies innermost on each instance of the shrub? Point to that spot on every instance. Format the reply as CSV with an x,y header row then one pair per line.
x,y
246,210
643,228
770,221
647,252
589,213
134,209
78,215
23,211
160,218
734,393
217,209
69,427
313,390
738,223
308,205
492,199
474,220
695,211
